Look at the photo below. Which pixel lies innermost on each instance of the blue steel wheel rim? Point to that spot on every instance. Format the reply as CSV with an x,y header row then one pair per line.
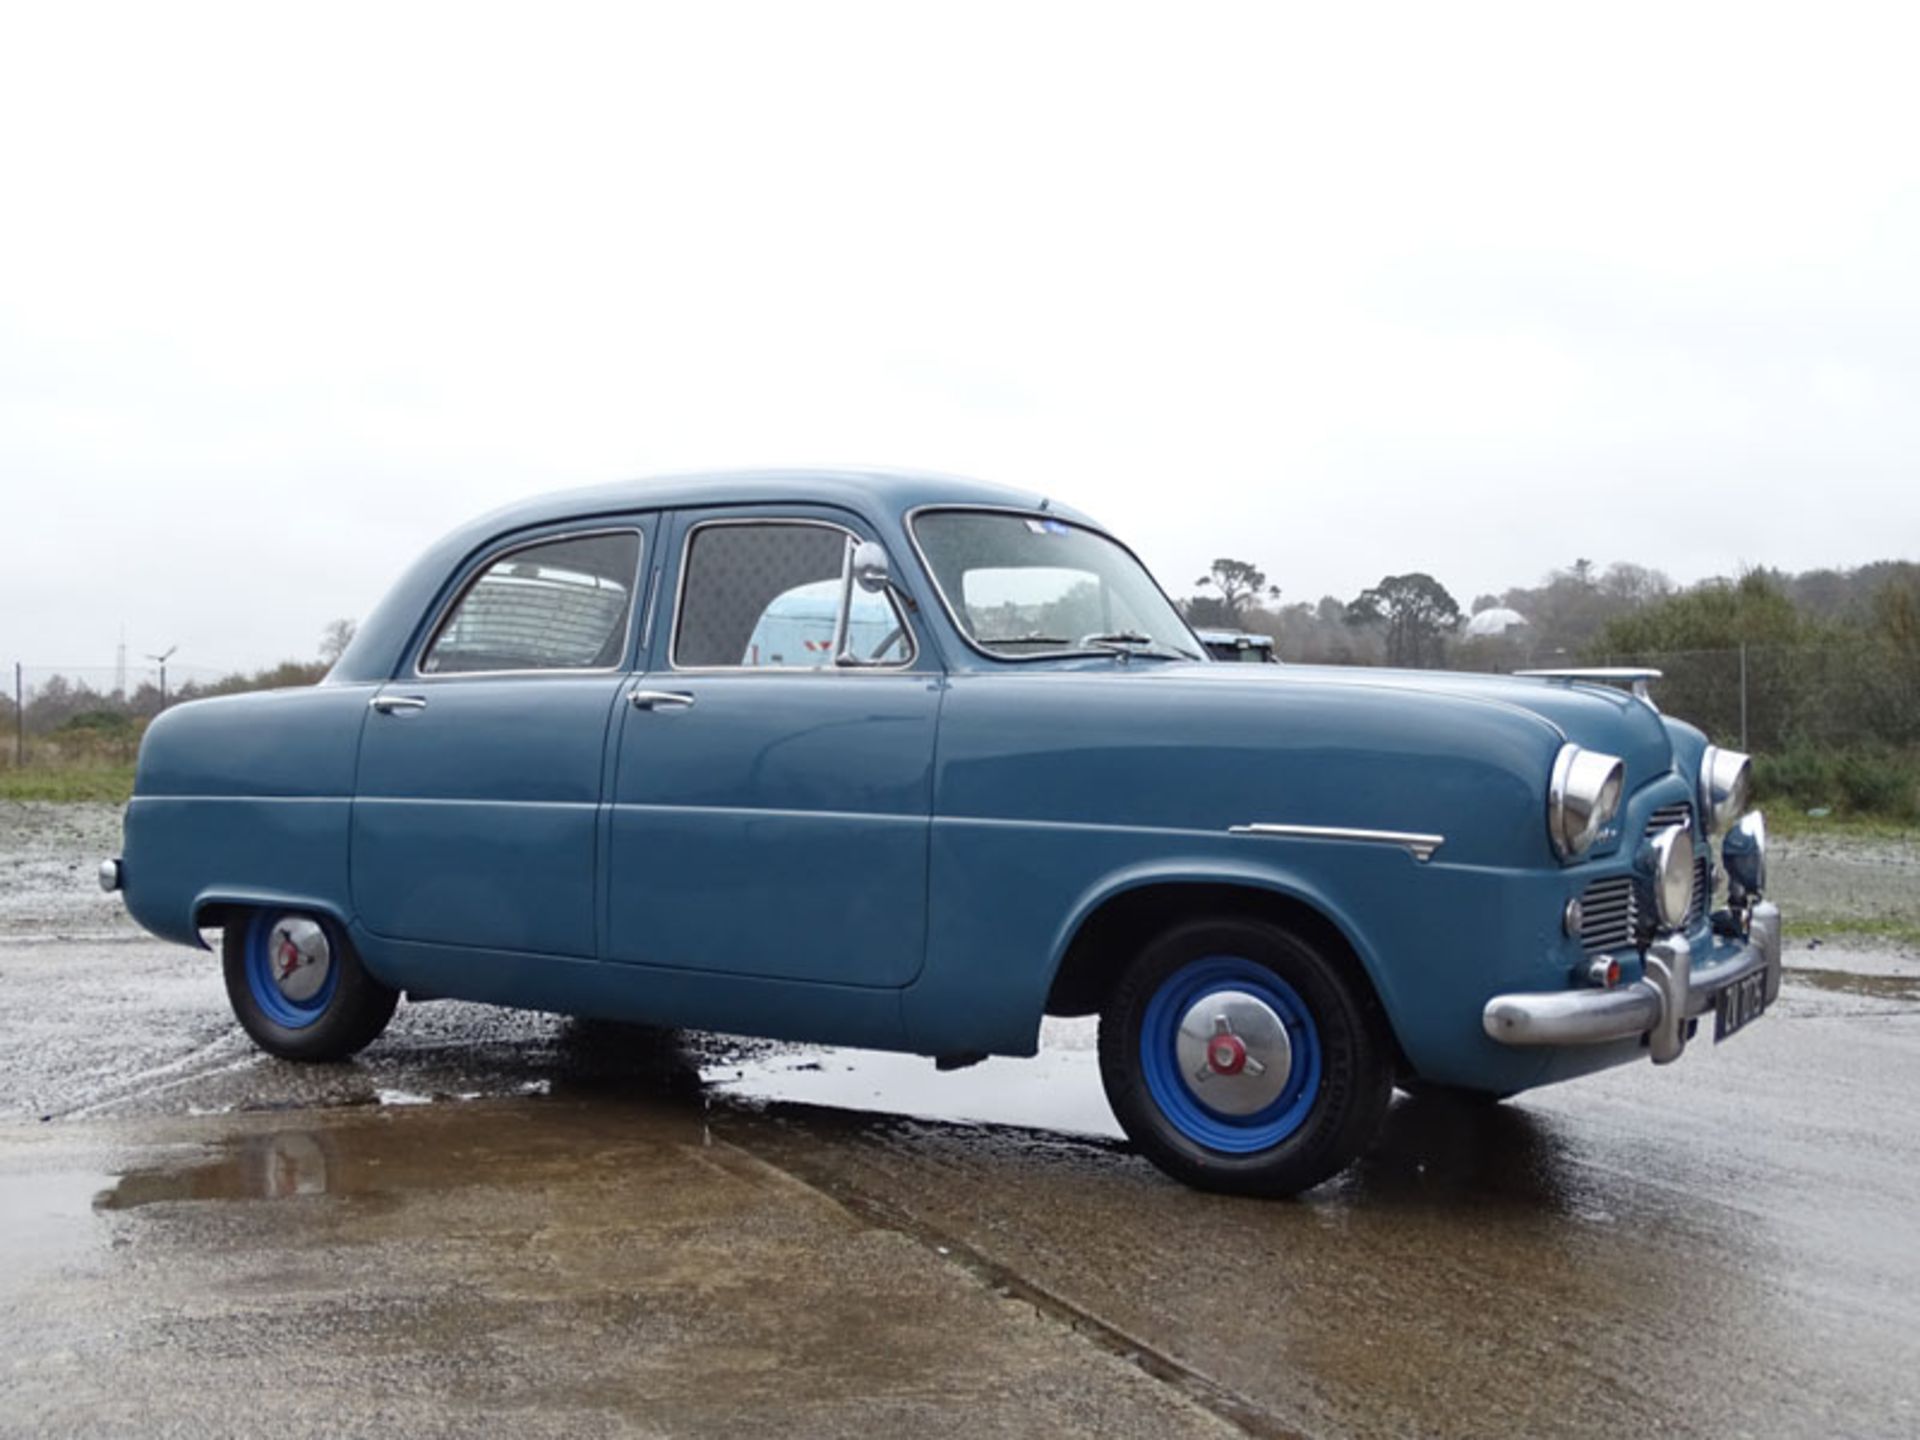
x,y
287,1012
1229,1134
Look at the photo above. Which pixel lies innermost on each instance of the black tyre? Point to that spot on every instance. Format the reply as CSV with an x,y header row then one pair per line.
x,y
1239,1058
298,988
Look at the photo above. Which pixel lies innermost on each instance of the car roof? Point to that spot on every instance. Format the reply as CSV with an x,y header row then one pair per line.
x,y
893,491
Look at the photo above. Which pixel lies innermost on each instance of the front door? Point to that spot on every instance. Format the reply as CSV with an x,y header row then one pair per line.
x,y
475,813
771,807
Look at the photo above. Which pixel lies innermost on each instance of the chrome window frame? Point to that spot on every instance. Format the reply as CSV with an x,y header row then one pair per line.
x,y
830,668
486,563
912,519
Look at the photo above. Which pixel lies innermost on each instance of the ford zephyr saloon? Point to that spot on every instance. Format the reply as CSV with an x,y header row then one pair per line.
x,y
910,762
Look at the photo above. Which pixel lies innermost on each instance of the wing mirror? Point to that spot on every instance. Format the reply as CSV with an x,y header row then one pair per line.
x,y
870,570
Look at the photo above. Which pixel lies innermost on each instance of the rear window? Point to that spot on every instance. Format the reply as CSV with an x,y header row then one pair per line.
x,y
558,605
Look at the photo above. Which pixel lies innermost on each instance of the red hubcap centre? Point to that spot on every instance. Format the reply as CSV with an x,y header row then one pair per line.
x,y
1226,1055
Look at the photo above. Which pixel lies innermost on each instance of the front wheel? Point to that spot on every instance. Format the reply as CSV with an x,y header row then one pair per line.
x,y
298,988
1239,1058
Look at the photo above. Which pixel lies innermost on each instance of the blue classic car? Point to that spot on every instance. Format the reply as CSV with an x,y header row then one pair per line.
x,y
911,762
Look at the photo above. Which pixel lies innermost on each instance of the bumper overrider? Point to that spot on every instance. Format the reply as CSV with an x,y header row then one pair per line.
x,y
1676,989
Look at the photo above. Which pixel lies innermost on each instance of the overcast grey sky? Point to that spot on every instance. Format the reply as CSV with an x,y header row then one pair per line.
x,y
285,292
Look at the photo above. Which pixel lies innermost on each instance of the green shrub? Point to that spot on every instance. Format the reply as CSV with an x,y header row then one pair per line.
x,y
1864,781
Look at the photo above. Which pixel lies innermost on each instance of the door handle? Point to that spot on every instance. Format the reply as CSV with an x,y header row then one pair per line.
x,y
387,704
660,699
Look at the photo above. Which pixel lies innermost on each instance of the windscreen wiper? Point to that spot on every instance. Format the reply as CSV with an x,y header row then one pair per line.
x,y
1132,642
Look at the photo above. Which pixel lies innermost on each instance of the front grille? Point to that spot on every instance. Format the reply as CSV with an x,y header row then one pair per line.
x,y
1670,815
1610,909
1607,914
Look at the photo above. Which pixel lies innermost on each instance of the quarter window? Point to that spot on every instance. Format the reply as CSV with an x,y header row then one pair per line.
x,y
558,605
768,596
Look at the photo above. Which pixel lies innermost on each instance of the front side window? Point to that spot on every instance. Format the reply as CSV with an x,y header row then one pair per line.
x,y
557,605
1022,586
768,596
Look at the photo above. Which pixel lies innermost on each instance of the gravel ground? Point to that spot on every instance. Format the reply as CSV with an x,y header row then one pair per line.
x,y
48,855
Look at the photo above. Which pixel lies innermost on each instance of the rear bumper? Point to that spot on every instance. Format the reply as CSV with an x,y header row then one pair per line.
x,y
1678,987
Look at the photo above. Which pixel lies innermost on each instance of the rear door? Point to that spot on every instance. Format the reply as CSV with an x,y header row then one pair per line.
x,y
474,818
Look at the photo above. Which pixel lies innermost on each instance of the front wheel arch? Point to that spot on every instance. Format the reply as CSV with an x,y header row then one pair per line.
x,y
1115,930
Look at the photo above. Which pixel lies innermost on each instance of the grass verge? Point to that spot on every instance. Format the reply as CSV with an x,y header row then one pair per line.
x,y
1787,820
110,783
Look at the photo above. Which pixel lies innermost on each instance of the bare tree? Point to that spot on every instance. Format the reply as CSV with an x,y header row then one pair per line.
x,y
335,639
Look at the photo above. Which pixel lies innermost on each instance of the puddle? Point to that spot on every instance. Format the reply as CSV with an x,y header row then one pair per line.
x,y
1812,955
1905,988
1058,1089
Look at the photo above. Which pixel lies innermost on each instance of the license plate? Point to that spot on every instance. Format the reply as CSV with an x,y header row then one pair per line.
x,y
1738,1004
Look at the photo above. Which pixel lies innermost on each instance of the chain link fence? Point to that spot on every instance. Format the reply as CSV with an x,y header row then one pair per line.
x,y
1777,698
1832,728
53,715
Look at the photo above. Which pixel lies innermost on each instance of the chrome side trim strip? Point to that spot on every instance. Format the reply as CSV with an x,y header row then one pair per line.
x,y
1421,847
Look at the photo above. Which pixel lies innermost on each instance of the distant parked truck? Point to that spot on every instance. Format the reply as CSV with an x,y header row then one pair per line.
x,y
1239,645
909,762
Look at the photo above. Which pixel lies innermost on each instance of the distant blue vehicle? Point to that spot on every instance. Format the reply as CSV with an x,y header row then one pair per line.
x,y
910,762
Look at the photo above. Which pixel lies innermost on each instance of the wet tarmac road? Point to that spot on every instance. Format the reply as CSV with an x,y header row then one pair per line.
x,y
501,1221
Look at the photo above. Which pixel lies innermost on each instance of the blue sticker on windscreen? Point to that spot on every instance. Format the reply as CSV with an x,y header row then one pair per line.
x,y
1046,527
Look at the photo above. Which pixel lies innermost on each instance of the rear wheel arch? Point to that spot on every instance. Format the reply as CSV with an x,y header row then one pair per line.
x,y
217,909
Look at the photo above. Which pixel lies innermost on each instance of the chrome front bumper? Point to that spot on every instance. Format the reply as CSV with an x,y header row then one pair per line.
x,y
1661,1006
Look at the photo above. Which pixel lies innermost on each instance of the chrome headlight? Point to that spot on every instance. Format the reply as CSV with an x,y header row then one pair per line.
x,y
1726,784
1670,858
1744,852
1583,795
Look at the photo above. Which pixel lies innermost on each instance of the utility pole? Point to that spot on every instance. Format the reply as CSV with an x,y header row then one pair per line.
x,y
1743,698
161,661
19,720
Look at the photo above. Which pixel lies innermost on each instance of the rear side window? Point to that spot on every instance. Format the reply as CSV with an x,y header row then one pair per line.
x,y
558,605
760,595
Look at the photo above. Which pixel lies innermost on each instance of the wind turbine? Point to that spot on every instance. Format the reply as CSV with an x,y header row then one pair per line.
x,y
161,661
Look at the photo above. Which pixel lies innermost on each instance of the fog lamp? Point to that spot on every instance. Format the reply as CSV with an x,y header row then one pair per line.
x,y
1744,853
1669,859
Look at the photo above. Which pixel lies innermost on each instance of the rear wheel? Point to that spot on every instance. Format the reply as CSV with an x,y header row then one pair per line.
x,y
298,988
1239,1058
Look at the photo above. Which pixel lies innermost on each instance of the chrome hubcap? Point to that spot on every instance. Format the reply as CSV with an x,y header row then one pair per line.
x,y
1234,1053
298,958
